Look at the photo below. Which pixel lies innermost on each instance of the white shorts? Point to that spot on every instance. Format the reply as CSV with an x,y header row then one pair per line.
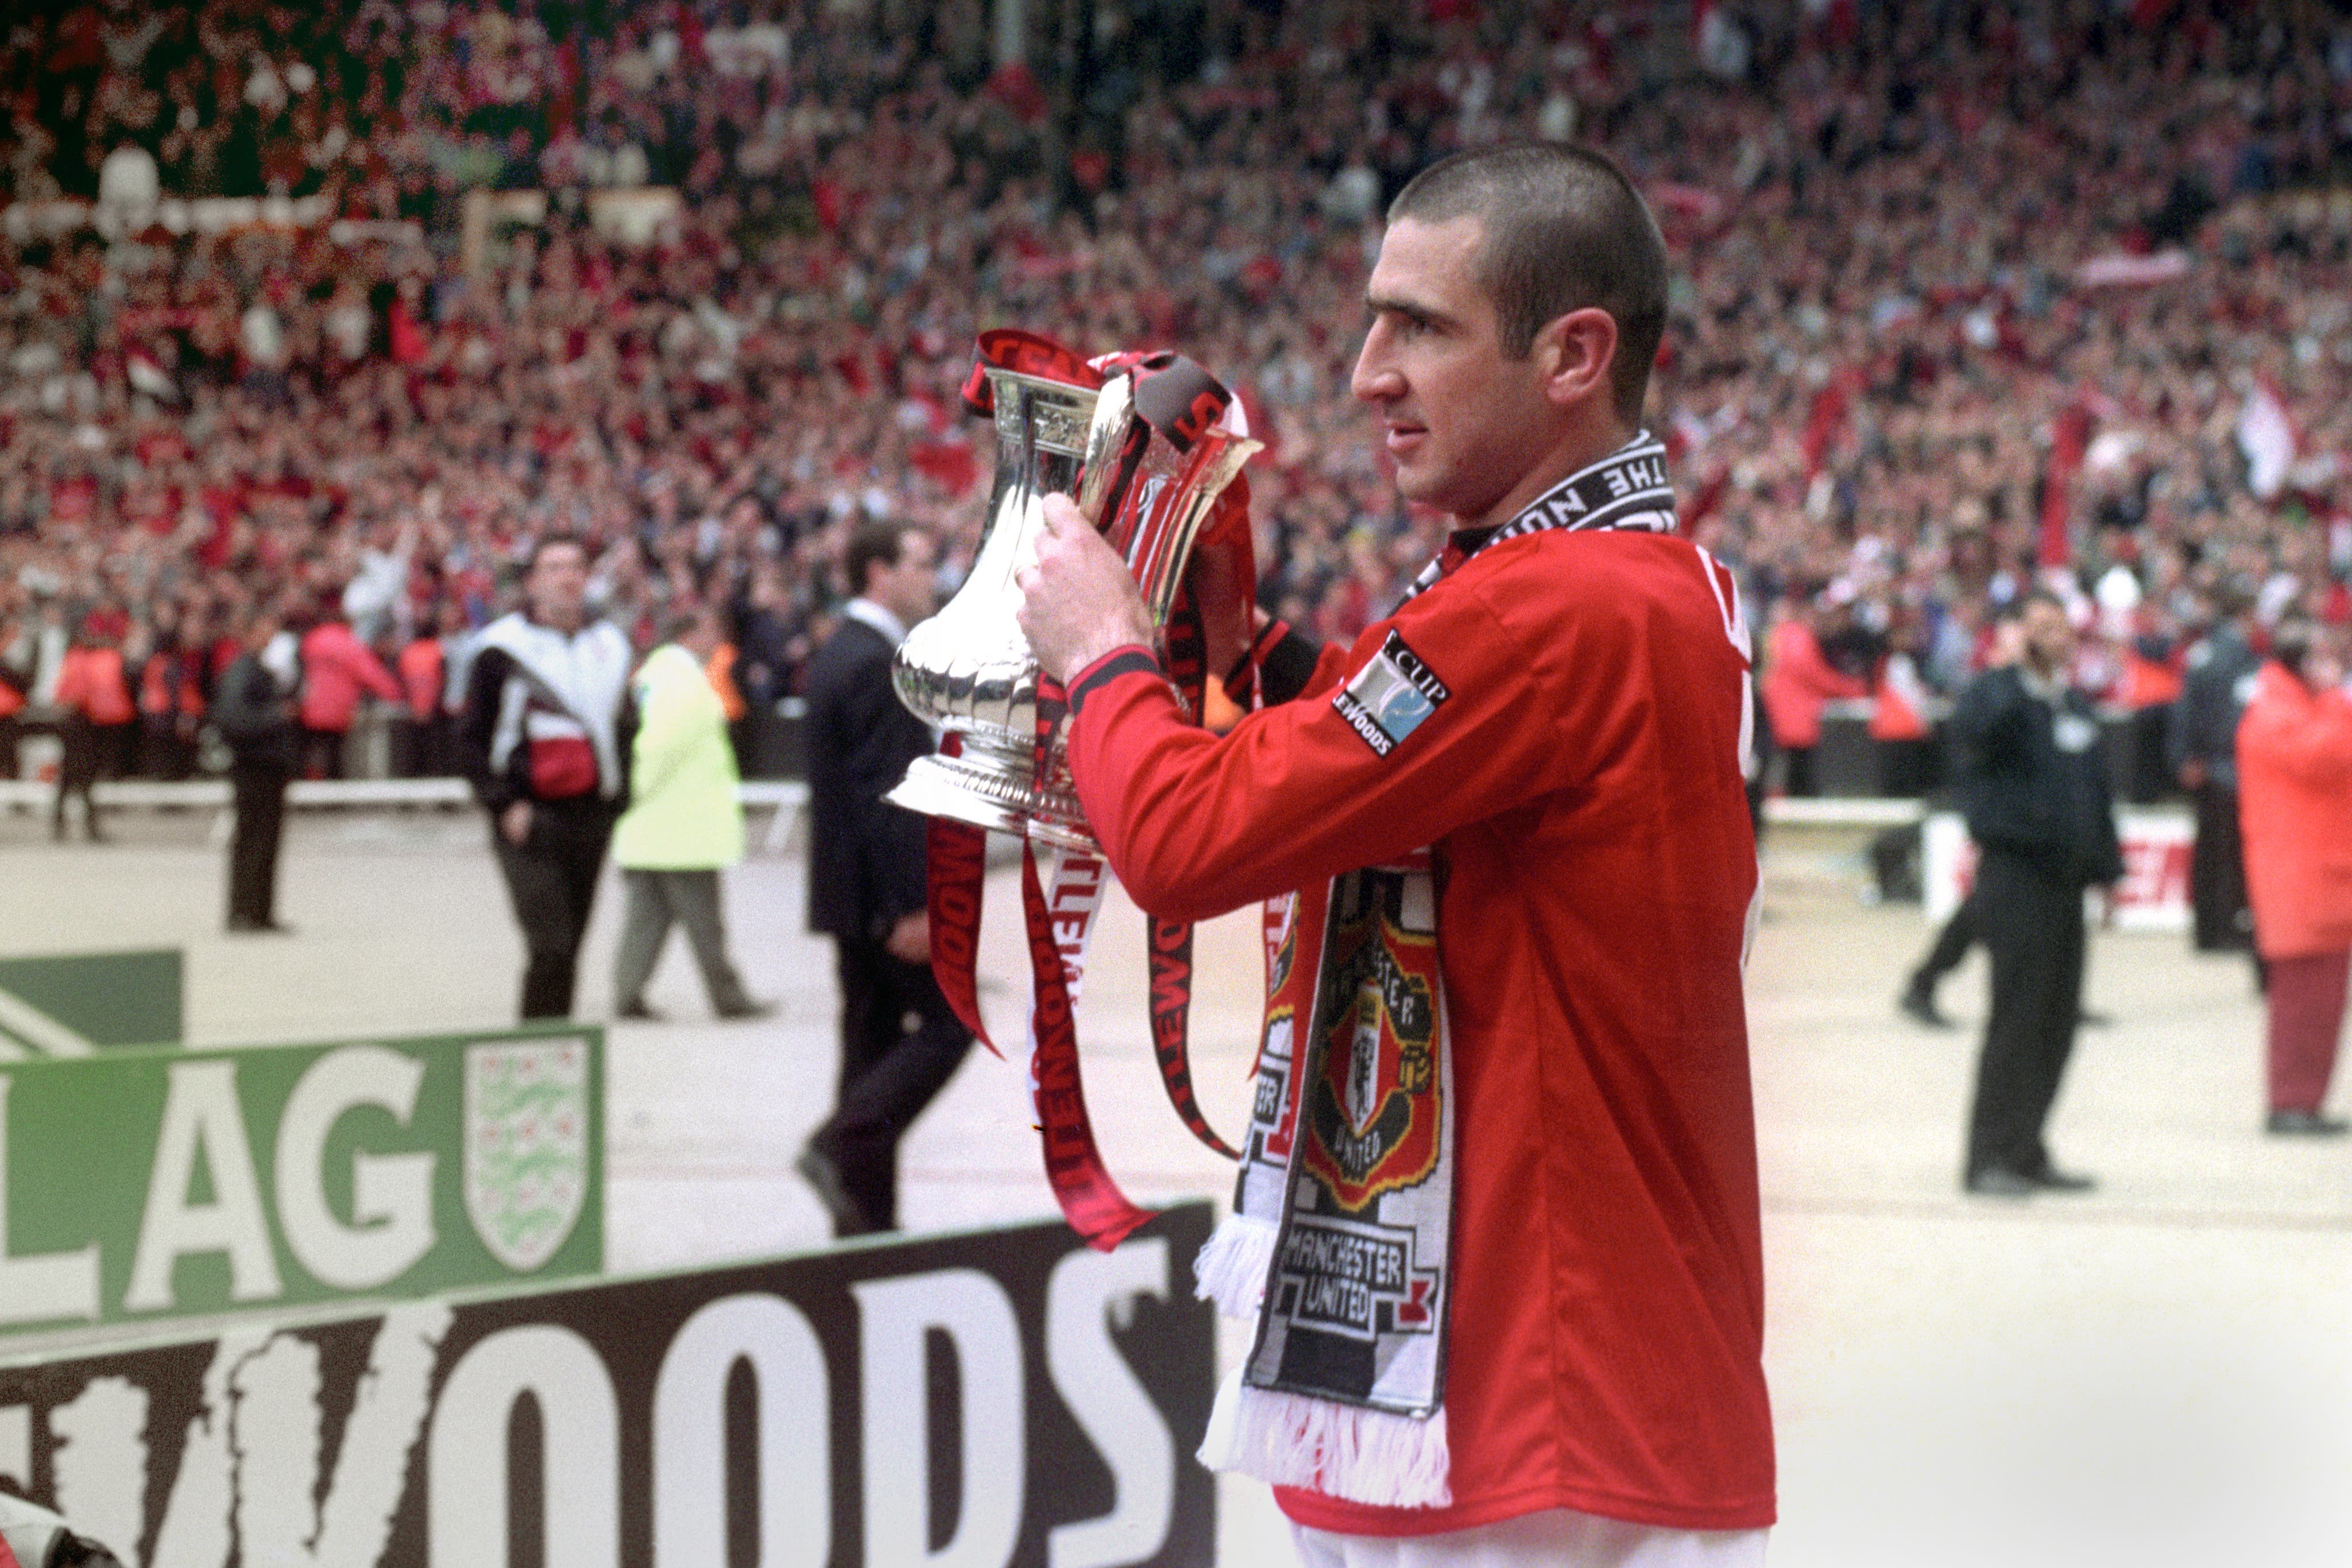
x,y
1556,1538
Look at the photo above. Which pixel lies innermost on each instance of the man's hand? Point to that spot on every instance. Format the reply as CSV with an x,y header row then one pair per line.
x,y
514,822
1077,600
910,941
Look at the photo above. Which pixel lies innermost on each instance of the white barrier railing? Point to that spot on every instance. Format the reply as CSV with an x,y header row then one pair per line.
x,y
784,797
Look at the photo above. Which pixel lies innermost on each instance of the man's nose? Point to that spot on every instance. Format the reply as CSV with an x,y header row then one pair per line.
x,y
1376,377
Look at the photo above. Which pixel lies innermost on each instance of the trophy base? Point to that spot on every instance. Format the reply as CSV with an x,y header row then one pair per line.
x,y
958,790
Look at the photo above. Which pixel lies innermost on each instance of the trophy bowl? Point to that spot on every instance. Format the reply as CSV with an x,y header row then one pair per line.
x,y
1131,454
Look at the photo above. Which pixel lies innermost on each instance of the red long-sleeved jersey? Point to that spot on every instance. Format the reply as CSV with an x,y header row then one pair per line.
x,y
1561,717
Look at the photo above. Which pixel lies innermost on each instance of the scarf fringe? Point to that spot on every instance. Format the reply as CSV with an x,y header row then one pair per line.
x,y
1230,1267
1347,1452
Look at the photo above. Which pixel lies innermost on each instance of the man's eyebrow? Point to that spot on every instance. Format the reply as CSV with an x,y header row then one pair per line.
x,y
1413,309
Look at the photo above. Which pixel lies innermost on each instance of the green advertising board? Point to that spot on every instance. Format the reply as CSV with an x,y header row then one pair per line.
x,y
144,1185
70,1004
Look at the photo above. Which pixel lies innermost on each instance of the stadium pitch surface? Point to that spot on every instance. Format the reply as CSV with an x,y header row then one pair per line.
x,y
2157,1373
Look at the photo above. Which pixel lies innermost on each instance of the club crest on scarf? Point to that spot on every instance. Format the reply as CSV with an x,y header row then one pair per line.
x,y
1373,1107
1358,1271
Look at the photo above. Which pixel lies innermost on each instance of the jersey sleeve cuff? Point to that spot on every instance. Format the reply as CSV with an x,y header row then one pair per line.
x,y
1133,658
1286,667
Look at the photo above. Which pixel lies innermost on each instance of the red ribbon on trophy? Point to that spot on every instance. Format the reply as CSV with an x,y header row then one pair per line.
x,y
1137,439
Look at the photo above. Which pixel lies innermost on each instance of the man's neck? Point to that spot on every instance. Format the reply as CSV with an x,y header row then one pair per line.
x,y
1572,455
878,616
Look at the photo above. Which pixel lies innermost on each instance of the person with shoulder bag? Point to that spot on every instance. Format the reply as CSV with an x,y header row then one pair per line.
x,y
542,743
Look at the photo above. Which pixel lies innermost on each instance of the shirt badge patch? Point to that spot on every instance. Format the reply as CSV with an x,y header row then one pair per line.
x,y
1390,697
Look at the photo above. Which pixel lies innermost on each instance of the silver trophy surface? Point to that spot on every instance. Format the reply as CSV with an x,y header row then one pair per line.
x,y
1148,485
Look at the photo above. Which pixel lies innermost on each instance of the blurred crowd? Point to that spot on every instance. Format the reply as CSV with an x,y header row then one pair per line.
x,y
1969,297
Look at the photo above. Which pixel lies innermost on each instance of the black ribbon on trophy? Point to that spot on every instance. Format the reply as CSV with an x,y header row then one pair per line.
x,y
1141,443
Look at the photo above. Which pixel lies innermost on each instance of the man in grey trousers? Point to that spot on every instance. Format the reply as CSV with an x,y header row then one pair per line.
x,y
683,824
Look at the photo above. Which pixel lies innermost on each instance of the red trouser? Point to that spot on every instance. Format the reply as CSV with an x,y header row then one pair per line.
x,y
2306,997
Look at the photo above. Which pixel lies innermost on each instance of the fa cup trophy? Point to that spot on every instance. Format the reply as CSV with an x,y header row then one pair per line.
x,y
1140,447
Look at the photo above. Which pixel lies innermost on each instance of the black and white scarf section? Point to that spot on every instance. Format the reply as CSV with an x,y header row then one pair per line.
x,y
1339,1246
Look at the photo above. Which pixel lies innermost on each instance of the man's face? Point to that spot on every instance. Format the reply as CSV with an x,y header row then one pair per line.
x,y
1464,423
908,590
2049,637
558,584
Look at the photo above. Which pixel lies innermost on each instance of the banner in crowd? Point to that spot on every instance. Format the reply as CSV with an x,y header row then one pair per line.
x,y
145,1185
73,1004
972,1401
2152,897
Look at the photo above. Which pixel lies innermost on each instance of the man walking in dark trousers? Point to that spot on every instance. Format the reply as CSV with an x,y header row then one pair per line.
x,y
542,743
867,887
2204,743
1960,932
253,709
2033,783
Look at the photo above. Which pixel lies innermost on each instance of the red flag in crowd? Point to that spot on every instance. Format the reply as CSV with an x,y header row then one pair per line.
x,y
1827,417
2070,438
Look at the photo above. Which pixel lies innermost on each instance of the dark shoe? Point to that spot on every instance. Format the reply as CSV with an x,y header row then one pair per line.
x,y
2091,1018
1918,1002
2305,1124
849,1215
743,1008
636,1012
260,928
1999,1181
2049,1178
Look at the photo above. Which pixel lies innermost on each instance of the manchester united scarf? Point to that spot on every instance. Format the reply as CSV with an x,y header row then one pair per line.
x,y
1339,1245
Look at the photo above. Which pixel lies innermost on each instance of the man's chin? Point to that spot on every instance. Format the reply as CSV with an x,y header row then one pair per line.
x,y
1421,488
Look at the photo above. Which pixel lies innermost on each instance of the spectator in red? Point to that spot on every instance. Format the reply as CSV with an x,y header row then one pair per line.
x,y
171,701
337,667
98,725
16,680
1898,718
2294,796
1799,682
420,735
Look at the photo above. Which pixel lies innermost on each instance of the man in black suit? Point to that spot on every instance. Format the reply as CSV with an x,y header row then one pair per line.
x,y
253,709
2034,781
867,887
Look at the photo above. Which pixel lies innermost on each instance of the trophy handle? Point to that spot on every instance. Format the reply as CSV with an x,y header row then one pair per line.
x,y
1162,544
1115,442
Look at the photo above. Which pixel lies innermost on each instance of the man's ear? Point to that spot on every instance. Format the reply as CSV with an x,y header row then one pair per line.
x,y
1577,352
